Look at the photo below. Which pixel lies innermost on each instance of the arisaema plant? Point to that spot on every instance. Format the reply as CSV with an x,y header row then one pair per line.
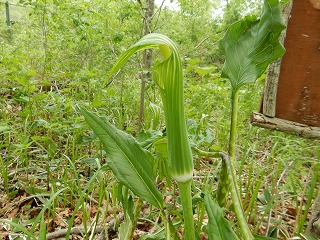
x,y
249,46
130,163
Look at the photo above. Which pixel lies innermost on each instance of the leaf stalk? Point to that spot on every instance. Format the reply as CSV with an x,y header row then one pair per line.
x,y
236,200
186,201
230,163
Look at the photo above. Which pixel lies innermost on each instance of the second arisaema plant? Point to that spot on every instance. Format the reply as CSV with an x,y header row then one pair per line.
x,y
249,46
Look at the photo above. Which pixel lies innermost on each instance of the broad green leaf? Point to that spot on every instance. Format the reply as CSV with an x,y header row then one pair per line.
x,y
130,163
218,227
201,71
251,44
147,138
258,237
168,76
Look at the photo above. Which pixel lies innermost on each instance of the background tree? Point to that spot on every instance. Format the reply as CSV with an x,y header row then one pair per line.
x,y
148,12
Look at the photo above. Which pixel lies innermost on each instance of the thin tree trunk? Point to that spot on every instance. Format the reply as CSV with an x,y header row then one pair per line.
x,y
147,58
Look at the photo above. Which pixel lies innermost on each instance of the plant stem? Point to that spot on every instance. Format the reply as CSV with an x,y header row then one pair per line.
x,y
224,182
233,126
135,220
236,201
234,189
233,136
186,201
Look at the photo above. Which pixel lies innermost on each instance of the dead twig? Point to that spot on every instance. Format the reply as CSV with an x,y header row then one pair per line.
x,y
81,230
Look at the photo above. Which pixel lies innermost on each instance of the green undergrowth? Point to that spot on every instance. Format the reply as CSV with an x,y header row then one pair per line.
x,y
46,147
52,166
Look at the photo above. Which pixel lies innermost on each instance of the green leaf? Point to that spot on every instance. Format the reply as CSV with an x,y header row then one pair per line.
x,y
258,237
43,228
45,207
201,71
146,139
123,229
130,163
251,44
218,227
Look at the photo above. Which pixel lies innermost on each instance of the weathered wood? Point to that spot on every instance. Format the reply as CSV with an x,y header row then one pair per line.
x,y
315,4
314,223
8,21
273,73
298,84
302,130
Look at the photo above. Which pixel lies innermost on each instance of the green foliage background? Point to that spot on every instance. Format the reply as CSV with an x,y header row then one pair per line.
x,y
59,56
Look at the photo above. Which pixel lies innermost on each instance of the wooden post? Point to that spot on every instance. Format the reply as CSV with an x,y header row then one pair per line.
x,y
270,92
314,223
8,21
7,14
291,93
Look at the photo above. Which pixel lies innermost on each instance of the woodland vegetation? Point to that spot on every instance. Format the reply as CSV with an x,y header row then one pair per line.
x,y
55,63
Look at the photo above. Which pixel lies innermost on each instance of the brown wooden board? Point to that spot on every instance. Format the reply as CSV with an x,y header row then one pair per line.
x,y
298,91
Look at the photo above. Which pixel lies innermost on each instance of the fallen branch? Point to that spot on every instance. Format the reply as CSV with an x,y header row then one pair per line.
x,y
75,230
302,130
81,230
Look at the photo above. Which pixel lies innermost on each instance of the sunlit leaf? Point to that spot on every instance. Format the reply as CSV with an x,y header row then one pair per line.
x,y
201,71
130,163
218,227
258,237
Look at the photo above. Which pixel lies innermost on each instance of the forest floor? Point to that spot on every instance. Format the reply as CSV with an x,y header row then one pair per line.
x,y
49,158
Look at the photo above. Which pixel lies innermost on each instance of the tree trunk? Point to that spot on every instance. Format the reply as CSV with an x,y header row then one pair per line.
x,y
147,58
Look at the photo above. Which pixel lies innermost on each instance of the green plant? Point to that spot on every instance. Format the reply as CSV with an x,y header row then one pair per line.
x,y
168,76
249,46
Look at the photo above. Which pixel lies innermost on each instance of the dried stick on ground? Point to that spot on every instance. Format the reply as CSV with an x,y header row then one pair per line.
x,y
75,230
302,130
81,230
